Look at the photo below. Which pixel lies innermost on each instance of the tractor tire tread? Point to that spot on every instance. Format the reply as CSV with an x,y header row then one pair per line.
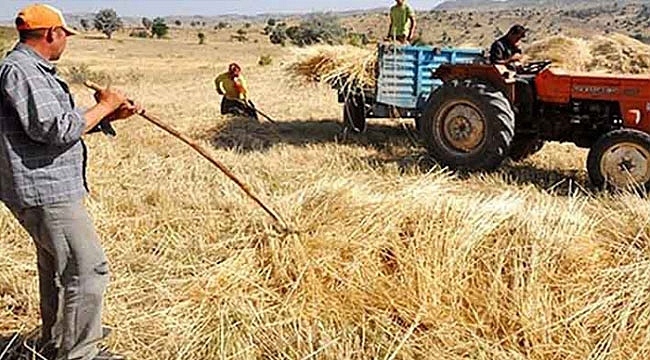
x,y
606,141
500,125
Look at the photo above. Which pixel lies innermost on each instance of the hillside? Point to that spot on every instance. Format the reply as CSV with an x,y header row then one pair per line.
x,y
511,4
456,23
480,27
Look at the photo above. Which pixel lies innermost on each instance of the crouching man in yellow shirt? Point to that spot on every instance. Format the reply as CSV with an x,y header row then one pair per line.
x,y
232,85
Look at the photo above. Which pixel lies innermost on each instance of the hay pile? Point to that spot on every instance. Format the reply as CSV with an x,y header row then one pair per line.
x,y
620,54
347,67
343,67
393,258
565,52
616,53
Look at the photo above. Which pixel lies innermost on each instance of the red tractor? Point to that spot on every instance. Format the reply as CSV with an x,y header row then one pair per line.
x,y
483,114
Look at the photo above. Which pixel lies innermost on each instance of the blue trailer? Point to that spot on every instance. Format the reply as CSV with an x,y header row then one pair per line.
x,y
404,82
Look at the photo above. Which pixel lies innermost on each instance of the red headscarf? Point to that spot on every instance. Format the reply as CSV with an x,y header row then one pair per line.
x,y
234,69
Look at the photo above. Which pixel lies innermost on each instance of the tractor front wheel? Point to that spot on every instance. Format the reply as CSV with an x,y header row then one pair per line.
x,y
468,125
620,159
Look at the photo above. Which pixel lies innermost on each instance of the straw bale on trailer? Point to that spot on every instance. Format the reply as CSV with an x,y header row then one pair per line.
x,y
347,68
343,67
565,52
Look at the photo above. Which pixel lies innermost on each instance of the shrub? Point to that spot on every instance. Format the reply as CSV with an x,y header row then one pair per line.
x,y
139,34
278,35
201,38
358,39
265,60
318,29
178,23
159,28
239,37
147,23
77,74
107,22
85,24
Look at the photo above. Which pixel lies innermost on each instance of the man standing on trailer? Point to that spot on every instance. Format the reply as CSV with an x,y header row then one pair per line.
x,y
43,182
402,22
505,50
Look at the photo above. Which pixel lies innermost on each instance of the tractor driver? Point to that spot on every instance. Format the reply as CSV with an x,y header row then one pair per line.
x,y
505,51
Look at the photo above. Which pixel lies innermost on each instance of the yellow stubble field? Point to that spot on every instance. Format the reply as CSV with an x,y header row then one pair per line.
x,y
391,257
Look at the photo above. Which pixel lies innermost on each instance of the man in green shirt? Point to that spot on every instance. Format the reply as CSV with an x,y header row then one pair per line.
x,y
401,15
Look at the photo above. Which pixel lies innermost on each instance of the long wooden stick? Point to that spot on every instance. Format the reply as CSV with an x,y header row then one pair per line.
x,y
270,119
201,150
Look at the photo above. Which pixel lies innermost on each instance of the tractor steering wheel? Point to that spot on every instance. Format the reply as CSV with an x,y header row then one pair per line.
x,y
534,67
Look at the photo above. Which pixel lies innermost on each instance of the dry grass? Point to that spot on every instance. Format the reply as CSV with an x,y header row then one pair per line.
x,y
342,67
614,53
565,52
393,258
6,39
620,54
348,67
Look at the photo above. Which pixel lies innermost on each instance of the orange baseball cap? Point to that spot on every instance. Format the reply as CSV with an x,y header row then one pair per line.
x,y
41,16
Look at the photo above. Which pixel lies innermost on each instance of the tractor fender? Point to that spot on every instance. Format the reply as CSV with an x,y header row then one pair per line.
x,y
497,76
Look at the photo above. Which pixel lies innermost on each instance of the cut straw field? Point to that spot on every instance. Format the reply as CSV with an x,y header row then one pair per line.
x,y
392,257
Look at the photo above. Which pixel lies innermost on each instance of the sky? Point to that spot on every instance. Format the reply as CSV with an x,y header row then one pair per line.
x,y
8,8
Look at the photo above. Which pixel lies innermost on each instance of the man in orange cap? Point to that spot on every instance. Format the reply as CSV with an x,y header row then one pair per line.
x,y
43,182
232,85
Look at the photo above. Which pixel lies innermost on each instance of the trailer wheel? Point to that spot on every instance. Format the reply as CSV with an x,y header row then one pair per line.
x,y
620,160
354,113
468,125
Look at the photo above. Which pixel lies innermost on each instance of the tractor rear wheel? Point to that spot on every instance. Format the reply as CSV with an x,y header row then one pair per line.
x,y
354,113
620,159
468,125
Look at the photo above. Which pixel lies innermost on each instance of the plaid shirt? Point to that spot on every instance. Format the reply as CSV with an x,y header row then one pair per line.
x,y
42,156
